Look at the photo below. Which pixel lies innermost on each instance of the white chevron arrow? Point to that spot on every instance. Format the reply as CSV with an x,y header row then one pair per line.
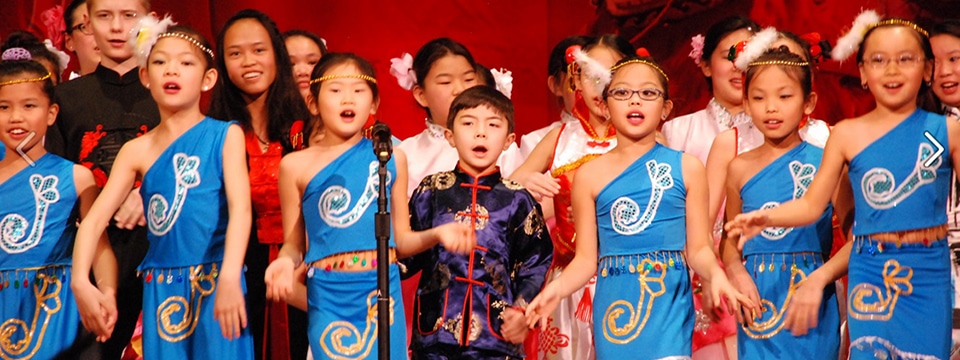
x,y
936,154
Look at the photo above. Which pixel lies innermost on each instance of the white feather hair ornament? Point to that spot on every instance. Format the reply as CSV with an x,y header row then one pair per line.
x,y
145,34
850,42
504,80
595,72
756,46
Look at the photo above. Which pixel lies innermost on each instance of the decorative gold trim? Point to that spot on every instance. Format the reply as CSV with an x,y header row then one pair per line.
x,y
13,327
189,39
900,22
761,330
641,61
896,282
339,330
343,76
574,165
175,332
621,335
21,81
780,62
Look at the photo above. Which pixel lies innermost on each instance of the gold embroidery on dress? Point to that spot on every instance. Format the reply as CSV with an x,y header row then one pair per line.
x,y
479,212
573,165
511,185
496,276
188,310
765,329
444,180
337,331
896,282
11,327
533,223
621,335
455,326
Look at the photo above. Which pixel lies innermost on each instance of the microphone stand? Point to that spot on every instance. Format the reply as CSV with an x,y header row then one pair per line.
x,y
382,147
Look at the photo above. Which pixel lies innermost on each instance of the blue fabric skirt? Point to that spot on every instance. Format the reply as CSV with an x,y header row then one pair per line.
x,y
38,318
178,318
643,308
342,307
899,302
777,276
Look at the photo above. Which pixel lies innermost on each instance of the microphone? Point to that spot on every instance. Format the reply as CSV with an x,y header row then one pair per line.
x,y
382,141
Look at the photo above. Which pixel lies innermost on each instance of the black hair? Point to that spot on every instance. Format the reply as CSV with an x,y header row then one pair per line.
x,y
309,35
37,49
947,27
334,59
284,102
68,13
482,95
434,50
16,69
721,29
193,34
484,75
613,42
804,45
802,74
926,99
649,60
557,65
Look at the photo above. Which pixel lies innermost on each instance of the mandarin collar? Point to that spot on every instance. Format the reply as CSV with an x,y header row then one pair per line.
x,y
112,77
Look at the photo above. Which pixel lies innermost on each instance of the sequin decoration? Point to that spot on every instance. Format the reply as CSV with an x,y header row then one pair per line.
x,y
333,336
771,317
651,287
20,340
625,213
14,226
335,200
177,316
896,282
879,185
161,216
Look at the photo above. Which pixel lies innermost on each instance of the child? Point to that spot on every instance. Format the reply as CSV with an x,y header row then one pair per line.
x,y
193,284
98,114
778,97
561,152
443,69
899,266
79,38
38,52
513,246
40,317
305,49
646,202
257,89
317,204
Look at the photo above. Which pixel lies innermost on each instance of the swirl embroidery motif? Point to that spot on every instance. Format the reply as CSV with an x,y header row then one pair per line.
x,y
625,213
46,290
177,317
651,286
335,200
160,214
802,175
14,226
771,318
870,302
879,186
332,338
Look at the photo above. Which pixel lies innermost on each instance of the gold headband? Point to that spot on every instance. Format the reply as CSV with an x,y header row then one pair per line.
x,y
780,62
343,76
641,61
21,81
189,39
900,22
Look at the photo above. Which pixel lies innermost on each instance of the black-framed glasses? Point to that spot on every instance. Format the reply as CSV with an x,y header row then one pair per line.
x,y
83,27
646,94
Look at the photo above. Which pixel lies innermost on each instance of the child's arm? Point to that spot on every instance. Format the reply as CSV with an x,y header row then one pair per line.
x,y
806,209
531,253
454,236
97,306
722,152
731,256
279,276
531,173
421,215
699,251
229,308
803,312
584,263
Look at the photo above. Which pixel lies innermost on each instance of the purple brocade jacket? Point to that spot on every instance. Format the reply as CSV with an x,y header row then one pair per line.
x,y
506,269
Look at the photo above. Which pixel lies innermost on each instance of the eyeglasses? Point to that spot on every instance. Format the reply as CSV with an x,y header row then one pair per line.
x,y
82,27
647,94
879,61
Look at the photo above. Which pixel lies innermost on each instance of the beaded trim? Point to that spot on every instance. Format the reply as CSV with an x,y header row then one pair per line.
x,y
900,22
343,76
21,81
641,61
780,62
188,38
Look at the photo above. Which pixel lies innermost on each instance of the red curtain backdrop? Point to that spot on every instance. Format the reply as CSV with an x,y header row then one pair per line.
x,y
518,35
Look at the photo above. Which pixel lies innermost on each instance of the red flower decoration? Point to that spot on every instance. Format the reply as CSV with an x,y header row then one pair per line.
x,y
53,25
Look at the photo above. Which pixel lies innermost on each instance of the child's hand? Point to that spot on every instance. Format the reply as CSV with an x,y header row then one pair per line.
x,y
746,226
542,306
130,213
744,284
737,303
279,279
540,185
98,310
229,309
804,308
456,237
514,329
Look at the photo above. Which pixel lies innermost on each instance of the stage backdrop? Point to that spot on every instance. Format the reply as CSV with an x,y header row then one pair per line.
x,y
518,35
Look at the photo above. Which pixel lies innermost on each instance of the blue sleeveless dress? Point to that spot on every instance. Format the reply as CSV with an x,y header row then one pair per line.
x,y
185,204
900,294
643,308
339,205
780,258
38,214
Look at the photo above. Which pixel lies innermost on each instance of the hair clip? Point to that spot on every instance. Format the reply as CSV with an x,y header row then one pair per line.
x,y
696,53
146,33
849,42
504,80
735,50
343,76
592,69
643,52
641,61
402,69
17,53
756,46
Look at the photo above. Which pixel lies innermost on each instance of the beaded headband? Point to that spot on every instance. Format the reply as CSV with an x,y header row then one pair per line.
x,y
780,62
22,81
189,39
901,22
343,76
641,61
